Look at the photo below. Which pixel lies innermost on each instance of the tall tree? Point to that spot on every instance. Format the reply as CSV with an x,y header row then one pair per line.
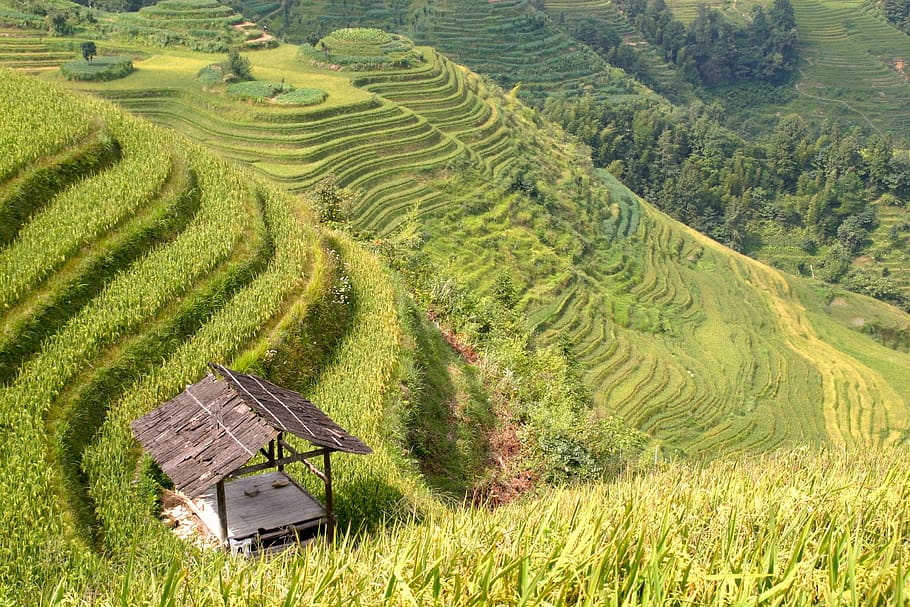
x,y
89,50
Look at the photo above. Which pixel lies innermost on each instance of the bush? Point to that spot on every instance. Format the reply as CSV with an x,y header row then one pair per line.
x,y
237,65
210,75
302,96
256,90
102,68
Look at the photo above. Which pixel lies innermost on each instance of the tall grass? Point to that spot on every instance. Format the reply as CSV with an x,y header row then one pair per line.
x,y
797,527
51,125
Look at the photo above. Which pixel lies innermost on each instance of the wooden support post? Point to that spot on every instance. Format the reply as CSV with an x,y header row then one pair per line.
x,y
272,452
280,451
330,512
222,512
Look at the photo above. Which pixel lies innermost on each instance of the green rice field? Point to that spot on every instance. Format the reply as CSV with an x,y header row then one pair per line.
x,y
131,255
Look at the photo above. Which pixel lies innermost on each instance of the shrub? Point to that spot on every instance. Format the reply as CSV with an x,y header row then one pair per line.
x,y
302,96
102,68
210,75
237,65
256,90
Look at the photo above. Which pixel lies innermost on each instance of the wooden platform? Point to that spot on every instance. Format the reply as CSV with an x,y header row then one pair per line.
x,y
258,507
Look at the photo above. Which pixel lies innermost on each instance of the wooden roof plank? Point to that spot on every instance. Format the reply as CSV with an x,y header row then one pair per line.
x,y
214,427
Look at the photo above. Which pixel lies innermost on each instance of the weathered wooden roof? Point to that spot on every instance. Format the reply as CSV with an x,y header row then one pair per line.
x,y
215,426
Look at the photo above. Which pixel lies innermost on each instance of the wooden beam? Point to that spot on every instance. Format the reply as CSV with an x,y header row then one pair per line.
x,y
313,453
280,451
222,512
280,463
329,510
315,471
290,448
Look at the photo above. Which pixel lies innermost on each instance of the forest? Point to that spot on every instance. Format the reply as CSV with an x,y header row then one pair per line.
x,y
712,50
814,181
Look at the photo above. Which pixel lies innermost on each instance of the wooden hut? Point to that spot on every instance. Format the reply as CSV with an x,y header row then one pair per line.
x,y
205,438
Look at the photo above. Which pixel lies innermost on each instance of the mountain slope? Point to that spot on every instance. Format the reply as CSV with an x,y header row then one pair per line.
x,y
161,257
119,286
508,40
850,67
701,348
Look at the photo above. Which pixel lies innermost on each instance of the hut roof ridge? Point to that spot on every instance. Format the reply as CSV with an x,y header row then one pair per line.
x,y
214,427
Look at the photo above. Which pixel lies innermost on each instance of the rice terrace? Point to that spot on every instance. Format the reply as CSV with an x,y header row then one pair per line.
x,y
454,302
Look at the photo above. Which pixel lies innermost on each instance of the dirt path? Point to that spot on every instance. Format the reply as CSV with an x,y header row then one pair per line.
x,y
844,103
265,37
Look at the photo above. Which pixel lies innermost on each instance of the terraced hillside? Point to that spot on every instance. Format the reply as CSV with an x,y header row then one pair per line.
x,y
852,59
128,259
890,256
388,152
737,11
507,40
851,65
200,24
649,308
605,15
27,50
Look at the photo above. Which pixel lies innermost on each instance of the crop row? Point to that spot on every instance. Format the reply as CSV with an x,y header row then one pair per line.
x,y
124,303
75,218
205,263
50,126
110,458
46,309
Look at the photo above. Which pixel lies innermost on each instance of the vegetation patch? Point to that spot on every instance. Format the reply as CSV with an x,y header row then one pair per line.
x,y
17,18
302,96
203,25
255,90
360,48
210,75
303,348
277,92
100,68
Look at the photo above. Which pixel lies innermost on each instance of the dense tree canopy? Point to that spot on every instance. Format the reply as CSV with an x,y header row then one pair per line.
x,y
89,50
712,50
817,182
897,12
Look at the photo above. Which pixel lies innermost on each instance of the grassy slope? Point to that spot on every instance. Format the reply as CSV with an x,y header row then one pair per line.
x,y
507,40
797,528
606,15
197,261
850,72
655,308
650,310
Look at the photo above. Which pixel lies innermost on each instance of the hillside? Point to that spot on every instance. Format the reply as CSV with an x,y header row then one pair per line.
x,y
845,73
508,40
130,257
647,307
851,64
